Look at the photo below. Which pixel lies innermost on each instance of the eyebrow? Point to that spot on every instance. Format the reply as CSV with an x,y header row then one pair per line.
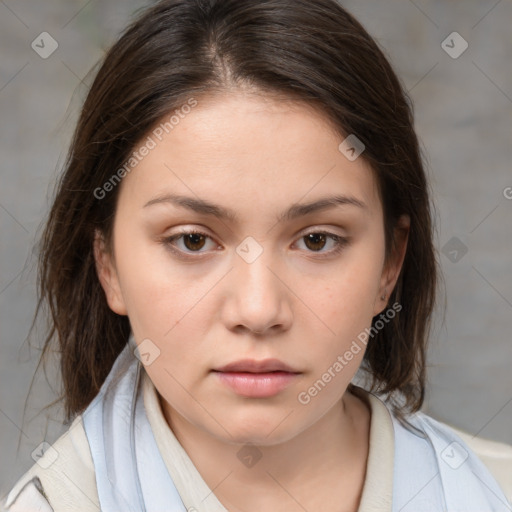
x,y
296,210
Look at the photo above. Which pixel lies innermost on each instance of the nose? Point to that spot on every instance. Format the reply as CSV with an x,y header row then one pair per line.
x,y
258,298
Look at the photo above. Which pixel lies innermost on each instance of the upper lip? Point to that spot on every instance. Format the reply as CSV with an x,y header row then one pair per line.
x,y
253,366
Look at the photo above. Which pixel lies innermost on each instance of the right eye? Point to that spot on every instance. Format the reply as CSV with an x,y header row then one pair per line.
x,y
192,241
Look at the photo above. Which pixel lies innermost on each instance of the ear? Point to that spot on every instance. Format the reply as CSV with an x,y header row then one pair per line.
x,y
394,264
107,274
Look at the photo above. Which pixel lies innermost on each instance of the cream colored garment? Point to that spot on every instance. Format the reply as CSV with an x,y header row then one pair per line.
x,y
66,474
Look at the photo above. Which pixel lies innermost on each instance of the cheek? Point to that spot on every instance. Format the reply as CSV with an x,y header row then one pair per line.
x,y
346,296
155,292
165,304
343,304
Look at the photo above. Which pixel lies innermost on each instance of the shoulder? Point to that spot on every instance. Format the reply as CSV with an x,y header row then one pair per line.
x,y
496,456
62,479
434,464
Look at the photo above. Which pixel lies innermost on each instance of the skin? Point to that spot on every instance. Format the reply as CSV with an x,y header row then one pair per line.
x,y
300,303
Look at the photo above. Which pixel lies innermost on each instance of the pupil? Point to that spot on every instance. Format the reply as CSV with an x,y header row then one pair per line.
x,y
315,237
192,239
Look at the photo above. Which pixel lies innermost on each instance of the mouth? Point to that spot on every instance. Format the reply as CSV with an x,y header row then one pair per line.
x,y
254,366
256,379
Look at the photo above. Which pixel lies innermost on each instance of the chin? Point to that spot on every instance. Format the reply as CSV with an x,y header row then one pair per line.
x,y
259,428
249,437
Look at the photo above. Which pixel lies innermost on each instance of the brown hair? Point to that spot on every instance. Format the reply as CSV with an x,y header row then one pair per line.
x,y
309,50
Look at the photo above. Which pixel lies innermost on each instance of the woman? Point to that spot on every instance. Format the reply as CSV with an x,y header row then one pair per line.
x,y
243,223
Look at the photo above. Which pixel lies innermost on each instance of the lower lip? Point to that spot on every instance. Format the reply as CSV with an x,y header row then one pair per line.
x,y
257,385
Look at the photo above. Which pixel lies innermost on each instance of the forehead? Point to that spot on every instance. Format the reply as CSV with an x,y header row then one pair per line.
x,y
248,147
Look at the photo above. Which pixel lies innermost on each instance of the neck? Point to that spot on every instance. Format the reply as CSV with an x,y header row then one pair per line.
x,y
322,464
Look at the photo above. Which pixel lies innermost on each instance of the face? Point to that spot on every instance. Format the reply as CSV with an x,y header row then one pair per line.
x,y
245,237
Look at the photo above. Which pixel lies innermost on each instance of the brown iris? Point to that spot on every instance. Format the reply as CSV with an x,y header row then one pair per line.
x,y
315,238
192,239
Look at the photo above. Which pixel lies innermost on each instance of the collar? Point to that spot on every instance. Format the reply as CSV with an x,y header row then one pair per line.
x,y
378,485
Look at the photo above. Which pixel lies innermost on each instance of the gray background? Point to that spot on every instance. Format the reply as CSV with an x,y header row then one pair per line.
x,y
463,114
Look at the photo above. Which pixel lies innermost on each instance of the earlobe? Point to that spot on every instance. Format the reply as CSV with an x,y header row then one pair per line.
x,y
394,264
107,275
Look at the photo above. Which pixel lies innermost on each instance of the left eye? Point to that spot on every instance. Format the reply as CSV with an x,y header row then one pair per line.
x,y
194,241
318,240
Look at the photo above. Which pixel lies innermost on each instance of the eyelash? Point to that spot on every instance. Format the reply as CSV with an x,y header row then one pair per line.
x,y
340,242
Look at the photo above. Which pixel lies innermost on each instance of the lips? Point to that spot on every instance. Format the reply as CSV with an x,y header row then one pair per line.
x,y
253,366
256,379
